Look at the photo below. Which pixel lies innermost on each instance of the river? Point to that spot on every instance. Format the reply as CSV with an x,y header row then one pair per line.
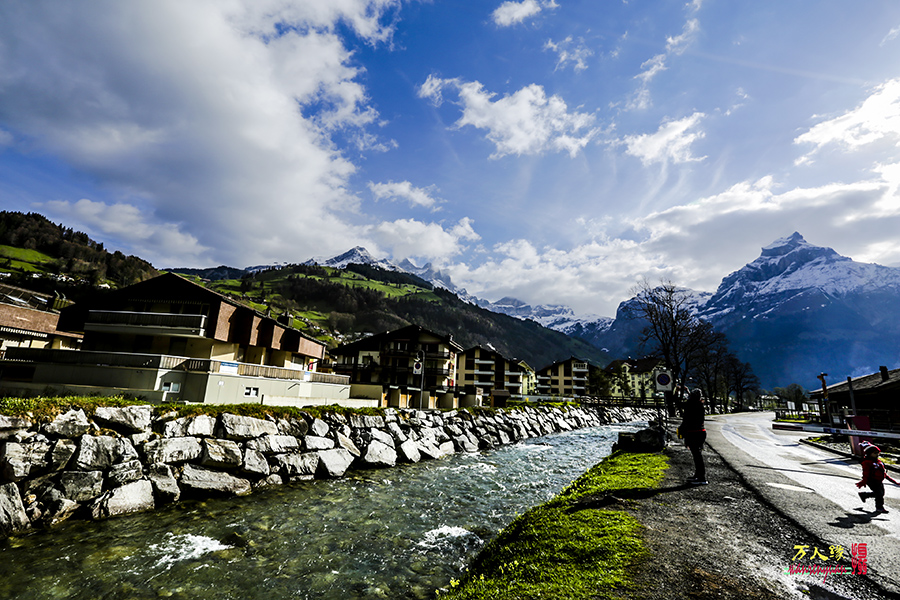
x,y
398,533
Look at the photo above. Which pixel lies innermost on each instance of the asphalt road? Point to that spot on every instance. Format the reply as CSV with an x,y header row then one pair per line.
x,y
814,488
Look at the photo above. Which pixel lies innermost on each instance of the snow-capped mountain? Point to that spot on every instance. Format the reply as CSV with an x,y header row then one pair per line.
x,y
554,316
796,311
357,255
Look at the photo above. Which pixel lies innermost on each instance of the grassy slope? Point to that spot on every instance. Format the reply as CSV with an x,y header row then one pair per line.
x,y
21,259
566,549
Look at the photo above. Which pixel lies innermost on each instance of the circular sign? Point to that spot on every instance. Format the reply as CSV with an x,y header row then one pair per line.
x,y
664,379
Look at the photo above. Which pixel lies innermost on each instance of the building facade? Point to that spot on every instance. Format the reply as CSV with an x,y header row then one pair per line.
x,y
169,339
410,367
487,373
633,380
567,378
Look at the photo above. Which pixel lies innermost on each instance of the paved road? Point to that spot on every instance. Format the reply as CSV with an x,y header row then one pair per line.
x,y
813,487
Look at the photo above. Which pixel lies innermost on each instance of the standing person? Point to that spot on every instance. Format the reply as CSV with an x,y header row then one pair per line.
x,y
874,474
693,414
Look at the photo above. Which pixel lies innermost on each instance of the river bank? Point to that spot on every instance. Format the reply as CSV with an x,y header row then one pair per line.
x,y
124,459
718,541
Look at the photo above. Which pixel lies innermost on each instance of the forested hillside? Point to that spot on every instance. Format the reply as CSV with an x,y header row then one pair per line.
x,y
31,244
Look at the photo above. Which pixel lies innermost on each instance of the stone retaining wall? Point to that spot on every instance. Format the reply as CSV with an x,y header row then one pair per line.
x,y
124,460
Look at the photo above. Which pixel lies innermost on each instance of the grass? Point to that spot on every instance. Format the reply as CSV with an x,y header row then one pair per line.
x,y
566,549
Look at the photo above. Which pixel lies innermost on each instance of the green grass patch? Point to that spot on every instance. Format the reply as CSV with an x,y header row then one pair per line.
x,y
565,549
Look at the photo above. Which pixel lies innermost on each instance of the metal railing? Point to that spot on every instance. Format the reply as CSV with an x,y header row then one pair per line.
x,y
146,319
166,362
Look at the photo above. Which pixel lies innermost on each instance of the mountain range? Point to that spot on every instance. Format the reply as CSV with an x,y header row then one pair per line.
x,y
794,312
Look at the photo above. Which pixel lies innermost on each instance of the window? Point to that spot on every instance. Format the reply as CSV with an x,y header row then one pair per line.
x,y
171,386
251,392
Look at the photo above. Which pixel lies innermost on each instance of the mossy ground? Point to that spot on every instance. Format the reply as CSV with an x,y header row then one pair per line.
x,y
568,548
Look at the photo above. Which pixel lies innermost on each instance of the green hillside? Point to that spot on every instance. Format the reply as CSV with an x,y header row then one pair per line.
x,y
339,305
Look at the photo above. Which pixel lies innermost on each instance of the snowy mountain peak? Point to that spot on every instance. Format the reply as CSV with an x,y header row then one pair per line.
x,y
357,255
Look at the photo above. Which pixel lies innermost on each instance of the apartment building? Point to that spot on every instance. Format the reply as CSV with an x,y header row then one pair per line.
x,y
633,379
487,373
410,367
567,378
169,339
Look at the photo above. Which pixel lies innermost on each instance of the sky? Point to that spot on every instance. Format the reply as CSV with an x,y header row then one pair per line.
x,y
557,151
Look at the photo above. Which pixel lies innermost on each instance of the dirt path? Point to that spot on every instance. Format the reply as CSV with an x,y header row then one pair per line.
x,y
720,541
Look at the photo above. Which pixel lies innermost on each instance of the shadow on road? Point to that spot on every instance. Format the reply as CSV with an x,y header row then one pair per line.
x,y
852,519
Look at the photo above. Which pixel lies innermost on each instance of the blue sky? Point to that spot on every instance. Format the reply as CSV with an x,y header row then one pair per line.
x,y
558,151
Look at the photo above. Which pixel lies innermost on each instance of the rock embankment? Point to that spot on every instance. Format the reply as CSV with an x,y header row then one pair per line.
x,y
124,460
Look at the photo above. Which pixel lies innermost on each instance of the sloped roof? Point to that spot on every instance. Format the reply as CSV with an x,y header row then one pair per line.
x,y
873,383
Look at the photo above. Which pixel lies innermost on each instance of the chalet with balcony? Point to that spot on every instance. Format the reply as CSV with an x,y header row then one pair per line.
x,y
410,367
485,372
566,378
169,339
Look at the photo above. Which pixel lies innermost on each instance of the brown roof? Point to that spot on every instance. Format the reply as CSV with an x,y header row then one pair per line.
x,y
884,379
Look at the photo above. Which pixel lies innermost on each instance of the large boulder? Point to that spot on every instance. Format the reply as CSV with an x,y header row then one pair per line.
x,y
198,426
131,419
12,512
334,463
165,486
235,427
125,473
297,466
133,497
98,452
273,444
366,421
315,442
173,450
19,460
409,452
319,428
221,454
208,481
379,454
71,424
255,464
81,486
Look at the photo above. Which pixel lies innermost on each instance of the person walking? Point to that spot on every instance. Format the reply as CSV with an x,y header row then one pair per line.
x,y
874,474
693,415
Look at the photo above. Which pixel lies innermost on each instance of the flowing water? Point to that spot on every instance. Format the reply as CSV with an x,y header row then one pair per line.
x,y
397,533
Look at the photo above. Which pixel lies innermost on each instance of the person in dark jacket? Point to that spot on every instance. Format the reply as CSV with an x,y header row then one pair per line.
x,y
693,415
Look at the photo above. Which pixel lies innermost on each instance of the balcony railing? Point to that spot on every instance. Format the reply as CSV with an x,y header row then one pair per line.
x,y
166,362
119,320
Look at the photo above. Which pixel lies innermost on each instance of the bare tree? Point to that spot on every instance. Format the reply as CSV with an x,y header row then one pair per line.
x,y
709,367
741,379
672,327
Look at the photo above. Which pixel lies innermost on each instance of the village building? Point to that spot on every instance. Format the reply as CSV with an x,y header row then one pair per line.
x,y
27,320
633,380
484,372
169,339
873,396
566,378
410,367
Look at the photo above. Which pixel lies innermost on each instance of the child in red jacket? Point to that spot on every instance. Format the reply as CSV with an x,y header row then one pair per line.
x,y
874,474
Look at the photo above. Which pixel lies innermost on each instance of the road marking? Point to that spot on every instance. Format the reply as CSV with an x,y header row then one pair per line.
x,y
785,486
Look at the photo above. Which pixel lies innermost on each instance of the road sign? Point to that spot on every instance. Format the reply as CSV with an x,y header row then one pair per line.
x,y
417,367
663,381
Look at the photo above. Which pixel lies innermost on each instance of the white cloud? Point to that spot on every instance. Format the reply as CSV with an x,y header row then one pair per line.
x,y
526,122
193,113
891,35
876,119
671,142
513,13
409,238
570,51
695,244
127,223
404,190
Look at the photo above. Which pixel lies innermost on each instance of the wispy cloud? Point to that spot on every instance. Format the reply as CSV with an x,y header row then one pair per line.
x,y
512,13
891,35
570,51
655,65
404,191
670,144
525,122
